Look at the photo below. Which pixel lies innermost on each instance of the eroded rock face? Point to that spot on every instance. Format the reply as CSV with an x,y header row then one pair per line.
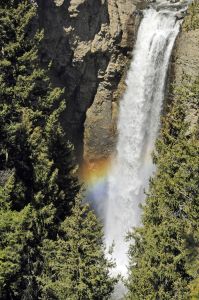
x,y
185,62
100,126
186,55
89,45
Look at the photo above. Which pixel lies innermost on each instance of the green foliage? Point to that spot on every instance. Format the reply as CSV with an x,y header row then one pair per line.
x,y
40,191
192,19
20,255
194,287
165,249
33,143
76,260
49,248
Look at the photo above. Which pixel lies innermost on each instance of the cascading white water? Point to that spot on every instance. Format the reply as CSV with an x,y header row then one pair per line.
x,y
138,126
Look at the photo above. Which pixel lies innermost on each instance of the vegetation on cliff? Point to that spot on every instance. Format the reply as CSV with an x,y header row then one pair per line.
x,y
45,243
165,253
192,19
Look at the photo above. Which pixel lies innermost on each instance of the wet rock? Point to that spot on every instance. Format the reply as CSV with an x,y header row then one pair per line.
x,y
138,12
174,1
180,15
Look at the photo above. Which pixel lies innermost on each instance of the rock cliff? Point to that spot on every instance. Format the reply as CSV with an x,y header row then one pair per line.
x,y
89,45
185,59
186,55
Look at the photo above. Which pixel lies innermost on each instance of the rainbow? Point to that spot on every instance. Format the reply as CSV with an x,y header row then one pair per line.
x,y
94,175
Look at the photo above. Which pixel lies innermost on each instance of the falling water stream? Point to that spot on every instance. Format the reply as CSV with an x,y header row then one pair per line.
x,y
138,126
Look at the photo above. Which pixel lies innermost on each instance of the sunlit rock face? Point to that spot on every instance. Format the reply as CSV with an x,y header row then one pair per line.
x,y
101,118
89,45
185,60
186,55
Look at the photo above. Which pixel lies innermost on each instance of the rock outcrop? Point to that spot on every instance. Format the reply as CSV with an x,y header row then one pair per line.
x,y
186,55
185,59
89,44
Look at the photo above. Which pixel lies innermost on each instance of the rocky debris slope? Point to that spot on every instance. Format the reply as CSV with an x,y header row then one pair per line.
x,y
89,45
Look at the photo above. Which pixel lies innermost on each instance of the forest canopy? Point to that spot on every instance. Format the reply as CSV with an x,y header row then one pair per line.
x,y
165,253
51,245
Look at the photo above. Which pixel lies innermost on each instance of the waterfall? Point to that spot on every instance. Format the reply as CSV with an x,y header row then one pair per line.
x,y
138,126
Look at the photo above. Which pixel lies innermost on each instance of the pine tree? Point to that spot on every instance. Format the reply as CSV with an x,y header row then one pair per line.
x,y
20,258
33,149
30,107
165,250
49,248
76,260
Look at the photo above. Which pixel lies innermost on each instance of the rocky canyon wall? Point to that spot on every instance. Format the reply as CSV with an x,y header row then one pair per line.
x,y
185,58
186,53
89,45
